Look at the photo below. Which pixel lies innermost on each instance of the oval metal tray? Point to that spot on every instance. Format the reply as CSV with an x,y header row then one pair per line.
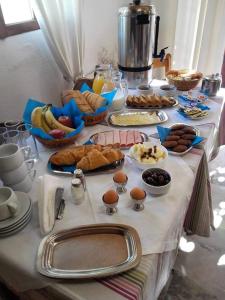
x,y
150,107
69,170
160,116
89,251
144,137
197,131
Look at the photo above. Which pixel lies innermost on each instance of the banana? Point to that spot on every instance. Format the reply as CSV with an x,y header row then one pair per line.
x,y
53,123
45,126
36,117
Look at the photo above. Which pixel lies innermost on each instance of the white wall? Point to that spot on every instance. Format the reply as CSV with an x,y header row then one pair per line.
x,y
27,69
100,22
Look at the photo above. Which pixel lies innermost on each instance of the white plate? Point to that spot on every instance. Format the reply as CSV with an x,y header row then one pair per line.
x,y
24,210
18,224
17,229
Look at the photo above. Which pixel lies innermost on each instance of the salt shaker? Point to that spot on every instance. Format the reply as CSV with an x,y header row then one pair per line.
x,y
78,173
77,191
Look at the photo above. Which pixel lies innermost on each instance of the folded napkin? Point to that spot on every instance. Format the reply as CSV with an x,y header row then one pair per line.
x,y
46,202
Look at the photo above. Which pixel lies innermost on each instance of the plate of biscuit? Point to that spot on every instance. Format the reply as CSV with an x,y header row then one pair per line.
x,y
150,101
179,138
92,159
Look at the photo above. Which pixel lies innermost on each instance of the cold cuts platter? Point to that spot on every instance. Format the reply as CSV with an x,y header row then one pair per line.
x,y
123,139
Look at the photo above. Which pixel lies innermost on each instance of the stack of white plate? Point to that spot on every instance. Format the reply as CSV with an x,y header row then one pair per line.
x,y
20,220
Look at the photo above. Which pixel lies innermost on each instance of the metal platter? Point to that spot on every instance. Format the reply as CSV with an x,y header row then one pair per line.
x,y
93,138
69,170
150,107
78,252
197,131
137,118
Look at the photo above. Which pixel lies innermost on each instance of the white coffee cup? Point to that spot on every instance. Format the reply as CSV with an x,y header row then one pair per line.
x,y
18,174
8,203
23,186
12,156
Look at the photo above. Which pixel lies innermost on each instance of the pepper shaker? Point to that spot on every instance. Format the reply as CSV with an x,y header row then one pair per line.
x,y
78,173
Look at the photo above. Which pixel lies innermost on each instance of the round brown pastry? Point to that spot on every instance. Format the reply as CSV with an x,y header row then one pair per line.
x,y
137,193
170,144
177,132
180,148
120,177
184,142
172,138
188,136
178,127
189,130
110,197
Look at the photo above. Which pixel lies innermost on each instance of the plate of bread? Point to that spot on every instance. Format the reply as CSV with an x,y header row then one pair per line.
x,y
150,101
92,159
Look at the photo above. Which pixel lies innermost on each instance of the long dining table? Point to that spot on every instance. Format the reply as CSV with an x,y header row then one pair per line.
x,y
188,206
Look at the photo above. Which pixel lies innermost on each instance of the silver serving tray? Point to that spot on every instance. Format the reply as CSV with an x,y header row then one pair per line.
x,y
69,170
162,117
89,251
150,107
197,131
144,137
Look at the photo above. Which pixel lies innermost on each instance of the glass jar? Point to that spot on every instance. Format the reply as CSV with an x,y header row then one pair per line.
x,y
103,75
121,93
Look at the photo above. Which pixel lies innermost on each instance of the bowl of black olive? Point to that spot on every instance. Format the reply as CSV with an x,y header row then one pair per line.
x,y
157,181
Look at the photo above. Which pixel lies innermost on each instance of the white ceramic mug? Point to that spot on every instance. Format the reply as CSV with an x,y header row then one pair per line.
x,y
12,156
17,175
8,203
23,186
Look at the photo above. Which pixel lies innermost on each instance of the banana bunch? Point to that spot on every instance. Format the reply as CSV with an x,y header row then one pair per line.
x,y
43,118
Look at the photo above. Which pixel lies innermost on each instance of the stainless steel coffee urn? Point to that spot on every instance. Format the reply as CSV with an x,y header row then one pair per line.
x,y
135,44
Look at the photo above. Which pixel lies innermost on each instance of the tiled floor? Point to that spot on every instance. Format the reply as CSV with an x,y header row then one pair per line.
x,y
200,266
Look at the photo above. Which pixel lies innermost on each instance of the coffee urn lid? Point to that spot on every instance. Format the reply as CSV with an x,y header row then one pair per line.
x,y
137,9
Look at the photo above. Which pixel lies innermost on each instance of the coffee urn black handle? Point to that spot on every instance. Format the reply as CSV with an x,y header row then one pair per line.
x,y
137,2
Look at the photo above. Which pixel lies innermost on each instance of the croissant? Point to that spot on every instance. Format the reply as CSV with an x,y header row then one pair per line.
x,y
72,155
112,154
93,160
95,101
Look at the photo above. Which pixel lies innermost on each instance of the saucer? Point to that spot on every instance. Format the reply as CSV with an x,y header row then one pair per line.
x,y
25,207
17,229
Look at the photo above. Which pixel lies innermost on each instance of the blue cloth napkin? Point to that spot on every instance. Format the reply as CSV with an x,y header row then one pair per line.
x,y
68,110
164,132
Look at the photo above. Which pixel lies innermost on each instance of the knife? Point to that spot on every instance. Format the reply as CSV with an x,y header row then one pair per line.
x,y
59,204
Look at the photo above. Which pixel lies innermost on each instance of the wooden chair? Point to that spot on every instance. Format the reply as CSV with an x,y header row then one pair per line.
x,y
165,63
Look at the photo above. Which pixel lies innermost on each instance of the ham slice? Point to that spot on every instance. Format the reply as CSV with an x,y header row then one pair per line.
x,y
101,140
109,138
123,138
116,137
137,137
130,138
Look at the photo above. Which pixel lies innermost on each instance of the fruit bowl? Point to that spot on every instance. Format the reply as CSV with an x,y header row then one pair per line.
x,y
51,125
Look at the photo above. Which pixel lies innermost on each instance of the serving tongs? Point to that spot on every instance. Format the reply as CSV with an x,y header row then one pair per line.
x,y
59,204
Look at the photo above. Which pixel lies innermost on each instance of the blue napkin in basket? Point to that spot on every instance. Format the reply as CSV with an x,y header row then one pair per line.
x,y
69,109
164,132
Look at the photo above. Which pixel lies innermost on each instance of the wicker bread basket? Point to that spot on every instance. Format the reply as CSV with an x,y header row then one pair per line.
x,y
184,85
57,142
93,120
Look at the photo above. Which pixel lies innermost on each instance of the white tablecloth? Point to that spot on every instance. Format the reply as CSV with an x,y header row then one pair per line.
x,y
18,253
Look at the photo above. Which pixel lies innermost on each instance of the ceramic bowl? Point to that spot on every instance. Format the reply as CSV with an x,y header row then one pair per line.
x,y
144,89
144,166
152,189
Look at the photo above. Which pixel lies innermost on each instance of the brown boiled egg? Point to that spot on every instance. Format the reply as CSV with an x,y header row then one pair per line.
x,y
110,197
120,177
137,193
